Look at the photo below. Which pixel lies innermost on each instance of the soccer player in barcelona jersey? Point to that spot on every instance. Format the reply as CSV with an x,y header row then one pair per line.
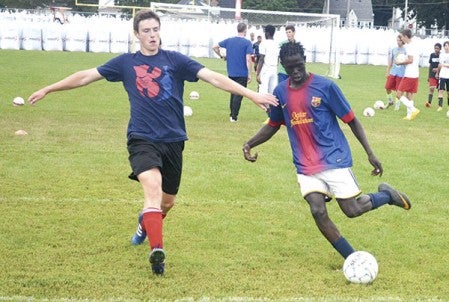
x,y
309,106
154,80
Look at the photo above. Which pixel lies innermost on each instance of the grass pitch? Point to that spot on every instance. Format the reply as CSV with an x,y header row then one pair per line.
x,y
240,231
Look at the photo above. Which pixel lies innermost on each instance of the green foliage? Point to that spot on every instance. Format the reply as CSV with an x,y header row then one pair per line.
x,y
275,5
427,12
239,229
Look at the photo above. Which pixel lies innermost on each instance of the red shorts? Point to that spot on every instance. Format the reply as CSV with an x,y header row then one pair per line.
x,y
408,85
392,82
433,82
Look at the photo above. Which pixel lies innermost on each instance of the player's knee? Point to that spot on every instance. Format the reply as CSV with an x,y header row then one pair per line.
x,y
318,213
168,204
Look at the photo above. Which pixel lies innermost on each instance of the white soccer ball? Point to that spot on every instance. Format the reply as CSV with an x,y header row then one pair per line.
x,y
368,112
400,58
360,267
447,113
21,133
379,105
194,95
18,101
188,111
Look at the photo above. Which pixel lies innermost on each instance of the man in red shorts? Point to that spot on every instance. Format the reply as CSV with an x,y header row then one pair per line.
x,y
394,73
434,60
408,86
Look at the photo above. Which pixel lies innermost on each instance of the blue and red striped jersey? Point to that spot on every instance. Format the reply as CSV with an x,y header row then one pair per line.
x,y
310,114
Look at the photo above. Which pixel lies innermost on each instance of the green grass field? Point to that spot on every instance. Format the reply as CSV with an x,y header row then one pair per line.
x,y
240,231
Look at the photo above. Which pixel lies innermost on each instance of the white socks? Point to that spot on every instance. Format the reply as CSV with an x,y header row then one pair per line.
x,y
409,104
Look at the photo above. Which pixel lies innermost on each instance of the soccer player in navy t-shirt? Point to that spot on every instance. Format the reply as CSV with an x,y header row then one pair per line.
x,y
154,80
309,107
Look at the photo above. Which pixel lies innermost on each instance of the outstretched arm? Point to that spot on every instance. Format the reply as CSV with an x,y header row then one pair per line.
x,y
220,81
264,134
359,133
75,80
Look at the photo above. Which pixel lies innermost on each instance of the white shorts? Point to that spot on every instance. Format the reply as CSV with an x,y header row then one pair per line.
x,y
338,183
269,79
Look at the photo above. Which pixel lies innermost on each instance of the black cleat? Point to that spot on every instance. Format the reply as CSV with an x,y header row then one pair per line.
x,y
397,198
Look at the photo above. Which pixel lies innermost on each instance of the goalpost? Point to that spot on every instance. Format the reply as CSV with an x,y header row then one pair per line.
x,y
317,32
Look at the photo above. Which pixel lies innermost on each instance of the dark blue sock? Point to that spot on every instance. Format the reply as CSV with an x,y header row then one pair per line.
x,y
343,247
379,199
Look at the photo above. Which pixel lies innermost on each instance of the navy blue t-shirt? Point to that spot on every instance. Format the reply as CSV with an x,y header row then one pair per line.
x,y
236,50
155,87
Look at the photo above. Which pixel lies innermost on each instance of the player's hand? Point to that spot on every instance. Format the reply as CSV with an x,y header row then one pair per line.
x,y
36,96
378,170
263,100
247,153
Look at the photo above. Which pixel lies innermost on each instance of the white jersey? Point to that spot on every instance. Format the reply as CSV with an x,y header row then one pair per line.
x,y
270,49
444,71
412,69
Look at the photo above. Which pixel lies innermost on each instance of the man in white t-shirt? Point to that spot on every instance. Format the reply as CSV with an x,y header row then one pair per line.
x,y
443,74
267,67
408,86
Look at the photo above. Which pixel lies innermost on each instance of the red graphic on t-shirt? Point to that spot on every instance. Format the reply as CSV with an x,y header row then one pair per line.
x,y
145,80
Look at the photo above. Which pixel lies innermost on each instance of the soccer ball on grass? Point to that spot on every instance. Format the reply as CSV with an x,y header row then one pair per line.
x,y
188,111
379,105
368,112
18,101
360,267
194,95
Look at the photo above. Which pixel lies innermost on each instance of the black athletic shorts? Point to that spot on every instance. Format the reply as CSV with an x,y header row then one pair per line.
x,y
145,155
443,83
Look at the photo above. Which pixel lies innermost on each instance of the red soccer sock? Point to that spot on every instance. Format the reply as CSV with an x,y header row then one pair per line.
x,y
152,223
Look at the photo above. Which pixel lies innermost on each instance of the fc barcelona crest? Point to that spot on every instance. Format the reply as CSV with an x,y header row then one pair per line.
x,y
316,101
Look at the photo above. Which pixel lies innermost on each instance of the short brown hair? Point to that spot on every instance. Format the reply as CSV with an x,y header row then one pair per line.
x,y
291,27
407,32
144,15
241,27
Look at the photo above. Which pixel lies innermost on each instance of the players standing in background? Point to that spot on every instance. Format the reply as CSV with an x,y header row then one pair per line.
x,y
443,75
309,107
394,73
434,59
267,68
154,80
256,54
290,32
238,64
408,86
251,37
